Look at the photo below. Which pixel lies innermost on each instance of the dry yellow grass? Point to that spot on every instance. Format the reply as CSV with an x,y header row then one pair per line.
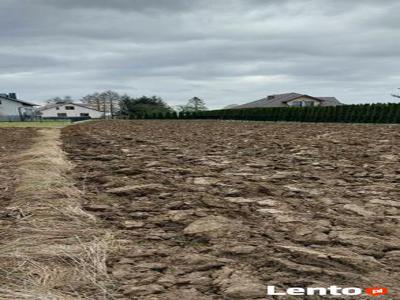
x,y
55,250
36,124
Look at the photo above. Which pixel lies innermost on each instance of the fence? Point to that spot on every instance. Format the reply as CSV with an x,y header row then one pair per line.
x,y
72,119
10,118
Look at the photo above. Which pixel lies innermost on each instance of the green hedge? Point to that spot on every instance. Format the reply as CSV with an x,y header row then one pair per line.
x,y
358,113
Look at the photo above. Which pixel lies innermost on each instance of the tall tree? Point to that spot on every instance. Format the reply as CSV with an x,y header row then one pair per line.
x,y
92,100
194,104
107,102
143,107
111,100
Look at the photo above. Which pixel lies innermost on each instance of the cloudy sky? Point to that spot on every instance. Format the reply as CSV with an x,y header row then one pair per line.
x,y
224,51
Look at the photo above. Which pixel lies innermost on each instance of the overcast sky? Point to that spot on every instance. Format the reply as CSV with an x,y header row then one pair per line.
x,y
227,51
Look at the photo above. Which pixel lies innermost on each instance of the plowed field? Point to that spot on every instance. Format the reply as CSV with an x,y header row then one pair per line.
x,y
219,210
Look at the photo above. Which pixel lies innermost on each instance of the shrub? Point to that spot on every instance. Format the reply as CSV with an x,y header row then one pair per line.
x,y
357,113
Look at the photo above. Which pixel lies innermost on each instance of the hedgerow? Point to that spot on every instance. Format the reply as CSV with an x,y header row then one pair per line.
x,y
357,113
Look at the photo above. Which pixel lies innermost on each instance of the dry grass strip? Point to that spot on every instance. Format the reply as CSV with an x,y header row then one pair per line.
x,y
54,250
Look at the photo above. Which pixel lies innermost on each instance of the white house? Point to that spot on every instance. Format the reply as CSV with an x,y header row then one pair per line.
x,y
69,110
12,108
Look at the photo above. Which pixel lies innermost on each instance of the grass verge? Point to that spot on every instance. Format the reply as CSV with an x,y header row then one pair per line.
x,y
53,249
38,124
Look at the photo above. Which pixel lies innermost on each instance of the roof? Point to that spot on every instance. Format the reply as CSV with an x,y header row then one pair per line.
x,y
279,100
330,101
53,105
5,96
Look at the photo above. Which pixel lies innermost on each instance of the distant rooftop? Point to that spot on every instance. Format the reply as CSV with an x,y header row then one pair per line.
x,y
280,100
13,97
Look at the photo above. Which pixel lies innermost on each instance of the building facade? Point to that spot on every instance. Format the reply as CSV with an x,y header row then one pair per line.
x,y
69,110
12,108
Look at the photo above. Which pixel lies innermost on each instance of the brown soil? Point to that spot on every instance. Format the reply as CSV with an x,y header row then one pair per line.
x,y
12,142
219,210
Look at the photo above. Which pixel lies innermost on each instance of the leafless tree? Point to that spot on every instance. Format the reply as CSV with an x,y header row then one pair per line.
x,y
92,100
107,102
194,104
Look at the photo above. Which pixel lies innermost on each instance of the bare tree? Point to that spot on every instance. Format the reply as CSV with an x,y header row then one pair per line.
x,y
107,102
92,100
111,100
194,104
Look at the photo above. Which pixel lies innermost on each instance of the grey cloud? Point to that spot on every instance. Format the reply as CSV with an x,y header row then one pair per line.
x,y
218,49
123,5
22,63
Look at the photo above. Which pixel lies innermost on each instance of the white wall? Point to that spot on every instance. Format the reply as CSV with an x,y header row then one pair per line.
x,y
9,108
54,112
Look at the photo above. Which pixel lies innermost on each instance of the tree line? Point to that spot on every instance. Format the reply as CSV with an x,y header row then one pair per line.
x,y
153,107
357,113
113,104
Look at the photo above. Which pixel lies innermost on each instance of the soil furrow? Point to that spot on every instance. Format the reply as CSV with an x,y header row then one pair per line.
x,y
220,210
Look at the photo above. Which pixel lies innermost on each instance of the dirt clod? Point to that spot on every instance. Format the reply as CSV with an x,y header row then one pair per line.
x,y
232,207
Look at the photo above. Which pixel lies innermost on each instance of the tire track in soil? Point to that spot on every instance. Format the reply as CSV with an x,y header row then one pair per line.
x,y
219,210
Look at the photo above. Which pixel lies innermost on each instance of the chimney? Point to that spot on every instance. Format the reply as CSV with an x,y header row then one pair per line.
x,y
271,97
12,95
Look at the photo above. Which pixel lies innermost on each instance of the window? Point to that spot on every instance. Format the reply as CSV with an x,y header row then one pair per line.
x,y
58,108
308,103
0,102
84,115
60,115
69,107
